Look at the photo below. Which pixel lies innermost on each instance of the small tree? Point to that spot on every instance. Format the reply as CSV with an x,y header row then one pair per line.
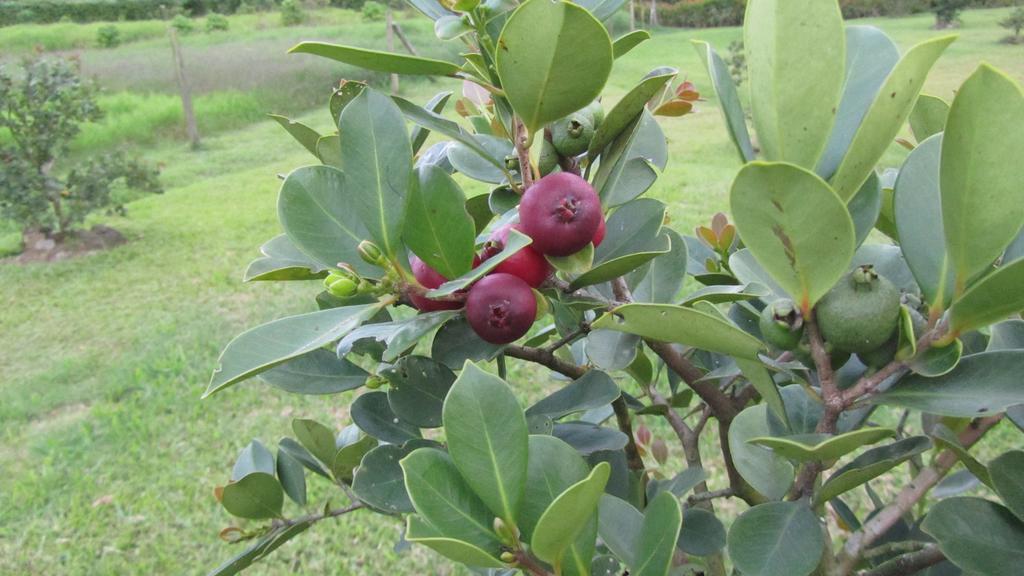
x,y
108,36
292,13
44,107
1015,23
947,12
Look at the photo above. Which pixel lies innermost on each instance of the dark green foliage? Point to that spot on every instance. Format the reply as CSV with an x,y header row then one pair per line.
x,y
45,11
1015,23
947,12
291,13
183,24
373,11
216,22
108,36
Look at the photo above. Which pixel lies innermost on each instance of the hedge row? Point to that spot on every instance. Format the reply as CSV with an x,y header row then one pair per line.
x,y
714,13
45,11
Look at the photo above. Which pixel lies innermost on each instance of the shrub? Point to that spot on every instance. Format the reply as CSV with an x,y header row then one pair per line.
x,y
1015,23
777,328
947,12
108,36
702,13
46,11
216,22
44,106
373,11
183,24
292,13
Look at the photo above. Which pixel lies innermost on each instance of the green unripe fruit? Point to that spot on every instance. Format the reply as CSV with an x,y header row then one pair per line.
x,y
571,135
548,161
512,162
781,324
340,286
886,353
860,313
595,112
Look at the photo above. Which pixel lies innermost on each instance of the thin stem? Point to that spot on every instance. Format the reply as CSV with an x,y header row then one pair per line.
x,y
313,518
583,330
633,458
523,151
910,563
502,368
928,477
699,497
545,358
832,399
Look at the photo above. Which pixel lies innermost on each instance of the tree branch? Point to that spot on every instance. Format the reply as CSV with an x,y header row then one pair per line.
x,y
313,518
869,384
911,563
832,399
545,358
633,458
910,495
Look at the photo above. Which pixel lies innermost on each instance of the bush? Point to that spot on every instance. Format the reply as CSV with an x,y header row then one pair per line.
x,y
292,13
47,11
44,107
216,22
829,383
947,12
108,36
183,24
1015,23
702,13
373,11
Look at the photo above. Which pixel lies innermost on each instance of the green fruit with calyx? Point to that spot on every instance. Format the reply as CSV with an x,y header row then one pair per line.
x,y
781,324
571,135
340,286
886,353
596,113
549,161
860,313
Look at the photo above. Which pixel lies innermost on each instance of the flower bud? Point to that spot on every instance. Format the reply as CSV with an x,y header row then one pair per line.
x,y
508,535
660,451
508,557
339,286
371,254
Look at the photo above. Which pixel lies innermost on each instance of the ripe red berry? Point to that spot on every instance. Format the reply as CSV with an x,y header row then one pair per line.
x,y
501,308
527,264
602,228
561,212
430,279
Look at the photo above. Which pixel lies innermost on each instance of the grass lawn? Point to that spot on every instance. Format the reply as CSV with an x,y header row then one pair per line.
x,y
110,458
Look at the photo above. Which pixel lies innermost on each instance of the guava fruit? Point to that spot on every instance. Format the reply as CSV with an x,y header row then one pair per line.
x,y
527,264
781,324
571,135
561,213
860,313
501,308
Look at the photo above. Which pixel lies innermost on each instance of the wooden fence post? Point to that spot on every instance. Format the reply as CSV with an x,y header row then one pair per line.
x,y
391,48
186,91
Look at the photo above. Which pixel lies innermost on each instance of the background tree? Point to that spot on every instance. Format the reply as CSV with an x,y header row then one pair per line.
x,y
1015,23
947,12
43,106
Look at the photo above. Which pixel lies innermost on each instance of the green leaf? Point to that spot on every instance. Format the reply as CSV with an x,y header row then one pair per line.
x,y
982,207
379,480
553,467
566,517
680,325
659,533
553,58
283,261
728,99
611,350
871,464
315,210
631,164
478,207
937,360
917,209
979,536
435,105
986,383
299,453
261,548
318,372
589,438
516,241
437,123
398,336
629,108
418,388
679,485
886,116
928,117
761,379
456,342
768,473
293,477
468,161
634,238
260,349
303,134
866,207
377,60
795,226
316,438
1007,335
992,299
623,44
257,496
576,263
870,57
660,280
342,95
1007,473
254,458
592,390
445,500
797,95
437,228
821,447
619,525
349,455
703,533
377,159
328,149
776,539
487,438
947,439
419,532
373,414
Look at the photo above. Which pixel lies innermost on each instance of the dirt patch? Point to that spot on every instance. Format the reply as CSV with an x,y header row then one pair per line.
x,y
41,247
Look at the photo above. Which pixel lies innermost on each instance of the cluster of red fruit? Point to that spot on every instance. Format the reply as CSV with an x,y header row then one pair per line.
x,y
562,214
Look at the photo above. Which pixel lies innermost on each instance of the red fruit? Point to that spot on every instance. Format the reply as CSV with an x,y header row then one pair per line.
x,y
501,308
429,279
602,228
561,212
527,264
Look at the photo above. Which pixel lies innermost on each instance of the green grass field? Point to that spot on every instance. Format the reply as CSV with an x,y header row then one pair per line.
x,y
109,458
